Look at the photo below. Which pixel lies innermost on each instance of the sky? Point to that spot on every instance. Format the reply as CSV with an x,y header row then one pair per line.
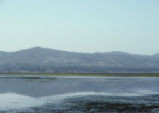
x,y
80,25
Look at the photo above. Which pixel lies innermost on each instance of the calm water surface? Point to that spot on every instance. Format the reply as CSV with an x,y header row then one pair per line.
x,y
76,94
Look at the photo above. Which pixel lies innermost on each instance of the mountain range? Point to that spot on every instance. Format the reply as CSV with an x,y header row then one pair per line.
x,y
45,60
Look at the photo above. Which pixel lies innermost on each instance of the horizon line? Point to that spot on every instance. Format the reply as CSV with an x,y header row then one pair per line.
x,y
78,51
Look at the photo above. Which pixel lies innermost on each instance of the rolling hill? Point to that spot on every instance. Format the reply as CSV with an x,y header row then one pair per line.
x,y
44,60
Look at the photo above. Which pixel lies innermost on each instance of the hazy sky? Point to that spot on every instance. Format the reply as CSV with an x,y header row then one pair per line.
x,y
80,25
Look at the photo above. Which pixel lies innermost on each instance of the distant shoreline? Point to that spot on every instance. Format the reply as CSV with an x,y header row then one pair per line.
x,y
89,74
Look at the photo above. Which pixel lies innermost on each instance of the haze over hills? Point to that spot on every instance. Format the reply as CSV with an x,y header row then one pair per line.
x,y
44,60
156,55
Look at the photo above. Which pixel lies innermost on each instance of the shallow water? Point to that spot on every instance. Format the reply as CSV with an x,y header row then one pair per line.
x,y
76,94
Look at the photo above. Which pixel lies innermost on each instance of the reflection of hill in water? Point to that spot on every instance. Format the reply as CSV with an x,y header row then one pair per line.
x,y
67,94
100,104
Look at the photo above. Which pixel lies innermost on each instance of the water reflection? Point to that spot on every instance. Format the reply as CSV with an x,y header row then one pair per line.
x,y
39,92
52,86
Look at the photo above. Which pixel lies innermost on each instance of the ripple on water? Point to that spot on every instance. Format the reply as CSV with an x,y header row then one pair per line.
x,y
89,102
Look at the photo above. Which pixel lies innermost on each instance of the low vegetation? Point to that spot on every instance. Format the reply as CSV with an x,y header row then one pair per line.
x,y
89,74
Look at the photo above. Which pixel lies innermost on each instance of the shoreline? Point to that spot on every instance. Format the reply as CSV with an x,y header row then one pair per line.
x,y
89,74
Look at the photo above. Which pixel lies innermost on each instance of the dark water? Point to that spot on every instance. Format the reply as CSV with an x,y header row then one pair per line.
x,y
39,94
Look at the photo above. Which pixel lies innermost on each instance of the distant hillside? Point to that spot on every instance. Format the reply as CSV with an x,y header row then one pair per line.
x,y
44,60
156,55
